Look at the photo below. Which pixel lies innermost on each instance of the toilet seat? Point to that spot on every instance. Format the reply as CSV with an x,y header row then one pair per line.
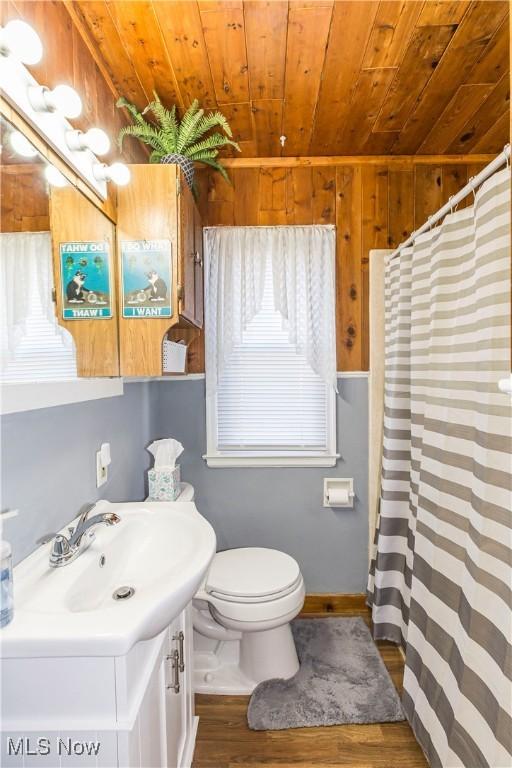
x,y
252,575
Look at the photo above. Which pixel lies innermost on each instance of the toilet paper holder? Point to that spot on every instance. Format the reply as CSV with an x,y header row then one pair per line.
x,y
338,492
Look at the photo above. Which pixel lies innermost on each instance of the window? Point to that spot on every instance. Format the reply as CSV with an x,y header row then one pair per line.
x,y
269,407
34,346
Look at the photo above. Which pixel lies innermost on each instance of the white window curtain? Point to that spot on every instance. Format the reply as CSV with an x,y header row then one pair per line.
x,y
303,273
34,346
270,345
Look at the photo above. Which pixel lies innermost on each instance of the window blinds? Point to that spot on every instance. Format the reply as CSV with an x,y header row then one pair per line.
x,y
269,398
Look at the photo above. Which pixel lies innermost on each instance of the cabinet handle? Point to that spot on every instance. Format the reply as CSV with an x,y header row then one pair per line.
x,y
198,259
181,638
175,667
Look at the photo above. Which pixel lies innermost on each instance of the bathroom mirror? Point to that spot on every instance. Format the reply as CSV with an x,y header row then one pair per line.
x,y
57,286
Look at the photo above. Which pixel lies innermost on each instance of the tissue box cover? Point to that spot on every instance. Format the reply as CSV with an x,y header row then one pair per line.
x,y
164,484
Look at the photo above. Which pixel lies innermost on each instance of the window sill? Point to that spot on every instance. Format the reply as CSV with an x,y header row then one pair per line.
x,y
217,461
32,395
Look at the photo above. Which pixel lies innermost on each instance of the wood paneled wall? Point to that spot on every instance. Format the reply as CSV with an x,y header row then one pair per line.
x,y
68,59
372,206
24,199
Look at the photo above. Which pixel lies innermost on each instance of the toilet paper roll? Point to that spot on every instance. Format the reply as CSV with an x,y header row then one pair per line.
x,y
338,497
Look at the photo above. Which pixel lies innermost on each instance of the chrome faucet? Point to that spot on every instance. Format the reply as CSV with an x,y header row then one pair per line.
x,y
66,550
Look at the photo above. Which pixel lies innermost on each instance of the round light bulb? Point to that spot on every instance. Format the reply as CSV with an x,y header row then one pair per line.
x,y
19,39
65,100
97,141
55,177
119,173
22,145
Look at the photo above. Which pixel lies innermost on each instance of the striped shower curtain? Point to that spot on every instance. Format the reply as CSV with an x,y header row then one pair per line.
x,y
440,579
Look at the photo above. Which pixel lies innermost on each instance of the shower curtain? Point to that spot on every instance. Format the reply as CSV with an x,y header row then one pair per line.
x,y
440,578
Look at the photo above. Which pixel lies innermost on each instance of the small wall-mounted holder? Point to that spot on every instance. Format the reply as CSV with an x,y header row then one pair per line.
x,y
338,492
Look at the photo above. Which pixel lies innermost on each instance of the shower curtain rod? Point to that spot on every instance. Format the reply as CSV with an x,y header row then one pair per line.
x,y
454,200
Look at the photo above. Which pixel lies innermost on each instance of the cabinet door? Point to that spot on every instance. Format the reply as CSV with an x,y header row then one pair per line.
x,y
175,699
150,729
199,268
187,253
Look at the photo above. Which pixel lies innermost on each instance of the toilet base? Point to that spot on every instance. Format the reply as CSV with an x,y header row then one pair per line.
x,y
269,654
223,678
236,667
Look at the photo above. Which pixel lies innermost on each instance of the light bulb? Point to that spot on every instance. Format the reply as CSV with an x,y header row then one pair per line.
x,y
22,145
65,100
97,141
55,177
94,139
119,173
18,39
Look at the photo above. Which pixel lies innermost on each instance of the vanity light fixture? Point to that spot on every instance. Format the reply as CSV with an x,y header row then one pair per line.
x,y
18,39
62,99
50,111
55,177
119,173
94,139
21,144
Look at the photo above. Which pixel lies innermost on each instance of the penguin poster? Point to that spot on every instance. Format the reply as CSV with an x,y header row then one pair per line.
x,y
146,278
85,280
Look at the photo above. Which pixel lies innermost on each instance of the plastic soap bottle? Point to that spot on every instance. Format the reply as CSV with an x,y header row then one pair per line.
x,y
6,590
6,595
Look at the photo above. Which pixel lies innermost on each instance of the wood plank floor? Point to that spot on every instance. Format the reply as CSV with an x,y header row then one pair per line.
x,y
225,741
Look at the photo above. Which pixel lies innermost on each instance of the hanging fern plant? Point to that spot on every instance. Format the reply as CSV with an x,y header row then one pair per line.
x,y
185,142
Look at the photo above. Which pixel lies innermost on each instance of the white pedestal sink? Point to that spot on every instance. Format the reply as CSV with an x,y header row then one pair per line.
x,y
78,664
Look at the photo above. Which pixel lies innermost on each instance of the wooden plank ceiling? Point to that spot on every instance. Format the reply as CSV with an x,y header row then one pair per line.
x,y
339,77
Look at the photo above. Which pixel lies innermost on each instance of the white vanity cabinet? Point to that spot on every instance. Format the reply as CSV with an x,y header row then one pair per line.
x,y
137,707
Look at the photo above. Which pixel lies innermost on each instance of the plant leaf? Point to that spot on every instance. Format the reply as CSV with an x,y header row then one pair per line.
x,y
187,132
218,167
213,119
210,142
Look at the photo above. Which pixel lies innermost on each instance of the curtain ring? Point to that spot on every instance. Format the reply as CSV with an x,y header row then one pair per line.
x,y
450,203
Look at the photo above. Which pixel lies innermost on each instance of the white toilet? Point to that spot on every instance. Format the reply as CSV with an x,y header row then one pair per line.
x,y
241,617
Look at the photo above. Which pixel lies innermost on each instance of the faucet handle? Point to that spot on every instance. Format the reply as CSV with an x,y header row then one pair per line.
x,y
60,550
45,538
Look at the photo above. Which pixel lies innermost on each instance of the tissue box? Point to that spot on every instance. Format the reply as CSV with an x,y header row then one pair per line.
x,y
164,484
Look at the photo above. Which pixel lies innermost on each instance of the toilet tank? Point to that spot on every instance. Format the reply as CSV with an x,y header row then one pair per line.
x,y
187,492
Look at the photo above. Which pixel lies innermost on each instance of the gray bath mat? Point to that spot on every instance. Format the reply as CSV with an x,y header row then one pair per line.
x,y
342,679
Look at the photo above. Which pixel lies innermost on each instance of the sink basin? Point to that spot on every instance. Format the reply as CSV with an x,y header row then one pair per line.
x,y
160,550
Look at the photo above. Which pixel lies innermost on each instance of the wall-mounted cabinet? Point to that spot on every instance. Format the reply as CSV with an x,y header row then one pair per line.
x,y
120,293
160,265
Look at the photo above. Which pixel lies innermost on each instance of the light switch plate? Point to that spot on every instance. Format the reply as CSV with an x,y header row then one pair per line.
x,y
101,471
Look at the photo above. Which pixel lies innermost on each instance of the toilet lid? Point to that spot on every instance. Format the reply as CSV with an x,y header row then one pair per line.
x,y
251,572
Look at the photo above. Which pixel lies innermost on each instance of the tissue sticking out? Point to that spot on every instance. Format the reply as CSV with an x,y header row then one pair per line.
x,y
166,452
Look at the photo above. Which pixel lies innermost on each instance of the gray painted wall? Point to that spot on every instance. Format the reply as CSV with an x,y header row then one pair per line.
x,y
276,507
49,461
48,473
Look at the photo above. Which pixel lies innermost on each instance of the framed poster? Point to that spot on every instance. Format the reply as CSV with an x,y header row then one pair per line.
x,y
85,280
146,278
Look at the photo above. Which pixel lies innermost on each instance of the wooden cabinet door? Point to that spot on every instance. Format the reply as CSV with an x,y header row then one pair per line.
x,y
186,252
74,219
199,268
